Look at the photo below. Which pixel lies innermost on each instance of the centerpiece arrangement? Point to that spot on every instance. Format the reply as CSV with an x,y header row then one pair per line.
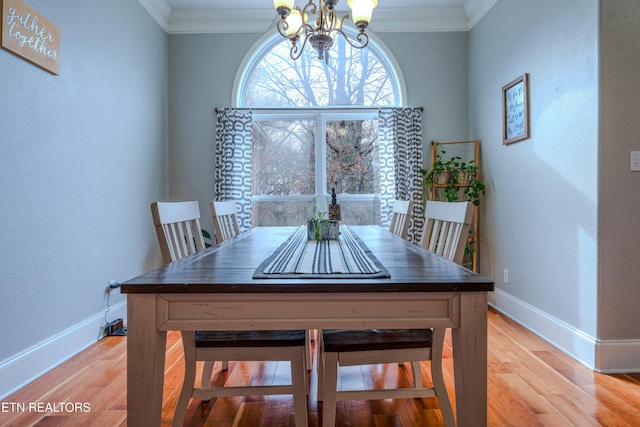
x,y
320,227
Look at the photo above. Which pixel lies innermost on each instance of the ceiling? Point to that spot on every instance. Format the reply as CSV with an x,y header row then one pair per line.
x,y
268,4
258,16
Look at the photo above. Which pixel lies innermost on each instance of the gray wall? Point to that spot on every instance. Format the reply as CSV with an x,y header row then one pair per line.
x,y
83,154
541,211
560,206
203,68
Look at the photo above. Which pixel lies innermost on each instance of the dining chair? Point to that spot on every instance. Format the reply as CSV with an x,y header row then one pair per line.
x,y
225,220
446,228
401,217
179,234
178,228
445,233
244,346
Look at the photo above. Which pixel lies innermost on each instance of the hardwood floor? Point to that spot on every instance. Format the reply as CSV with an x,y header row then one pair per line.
x,y
531,383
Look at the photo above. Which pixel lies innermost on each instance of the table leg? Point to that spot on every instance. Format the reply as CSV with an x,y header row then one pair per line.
x,y
146,348
470,360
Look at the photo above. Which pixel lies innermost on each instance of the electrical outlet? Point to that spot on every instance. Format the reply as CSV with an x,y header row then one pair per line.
x,y
635,161
505,275
112,285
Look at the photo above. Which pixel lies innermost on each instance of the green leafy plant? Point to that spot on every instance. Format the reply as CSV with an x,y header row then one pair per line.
x,y
452,176
473,191
318,219
207,238
320,215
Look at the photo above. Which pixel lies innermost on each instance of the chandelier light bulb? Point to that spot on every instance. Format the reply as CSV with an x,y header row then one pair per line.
x,y
294,22
362,11
283,7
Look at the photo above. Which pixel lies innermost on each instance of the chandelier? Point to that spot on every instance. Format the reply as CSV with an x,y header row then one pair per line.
x,y
323,27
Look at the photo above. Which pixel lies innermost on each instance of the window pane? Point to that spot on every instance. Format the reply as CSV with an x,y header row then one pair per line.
x,y
360,212
282,213
283,158
352,77
352,157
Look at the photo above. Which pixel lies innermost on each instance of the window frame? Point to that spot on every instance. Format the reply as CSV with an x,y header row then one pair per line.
x,y
320,116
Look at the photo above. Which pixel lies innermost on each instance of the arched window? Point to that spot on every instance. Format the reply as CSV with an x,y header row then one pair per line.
x,y
352,77
315,129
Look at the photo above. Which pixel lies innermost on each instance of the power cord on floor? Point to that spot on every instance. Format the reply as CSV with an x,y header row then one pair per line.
x,y
116,327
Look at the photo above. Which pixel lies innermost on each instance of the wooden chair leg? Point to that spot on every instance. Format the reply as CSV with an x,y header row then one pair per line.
x,y
207,372
299,385
438,379
330,380
321,362
307,348
189,379
417,374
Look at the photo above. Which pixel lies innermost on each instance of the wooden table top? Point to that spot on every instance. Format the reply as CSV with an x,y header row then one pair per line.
x,y
229,268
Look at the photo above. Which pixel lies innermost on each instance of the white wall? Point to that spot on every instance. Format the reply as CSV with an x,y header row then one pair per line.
x,y
82,156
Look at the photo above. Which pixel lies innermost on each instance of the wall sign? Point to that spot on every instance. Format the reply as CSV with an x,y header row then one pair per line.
x,y
515,110
30,35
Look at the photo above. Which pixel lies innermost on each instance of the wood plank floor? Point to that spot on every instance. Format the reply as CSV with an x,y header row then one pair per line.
x,y
531,383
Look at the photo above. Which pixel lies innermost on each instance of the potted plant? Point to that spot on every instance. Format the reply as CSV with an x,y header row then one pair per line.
x,y
450,176
319,227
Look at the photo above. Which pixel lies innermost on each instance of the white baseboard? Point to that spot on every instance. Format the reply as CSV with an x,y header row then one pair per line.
x,y
28,365
606,356
618,356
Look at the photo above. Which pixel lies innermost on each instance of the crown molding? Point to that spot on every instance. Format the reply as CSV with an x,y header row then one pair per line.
x,y
159,10
476,9
190,21
419,20
194,21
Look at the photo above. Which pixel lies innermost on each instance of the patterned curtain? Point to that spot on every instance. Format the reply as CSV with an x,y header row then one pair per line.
x,y
400,141
233,161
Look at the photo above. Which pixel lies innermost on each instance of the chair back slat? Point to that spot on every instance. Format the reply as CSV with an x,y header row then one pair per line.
x,y
225,220
401,217
178,229
446,228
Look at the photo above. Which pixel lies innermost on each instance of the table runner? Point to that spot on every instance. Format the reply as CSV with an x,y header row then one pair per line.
x,y
298,257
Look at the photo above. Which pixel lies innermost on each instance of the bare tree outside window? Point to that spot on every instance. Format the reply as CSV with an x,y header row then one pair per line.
x,y
352,77
283,160
352,157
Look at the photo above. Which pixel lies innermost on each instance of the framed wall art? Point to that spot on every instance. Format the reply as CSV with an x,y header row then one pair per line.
x,y
515,110
30,35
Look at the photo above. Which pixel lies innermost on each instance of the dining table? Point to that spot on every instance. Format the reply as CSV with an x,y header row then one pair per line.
x,y
220,288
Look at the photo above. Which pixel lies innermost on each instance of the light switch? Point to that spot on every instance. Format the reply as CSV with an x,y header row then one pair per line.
x,y
635,160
